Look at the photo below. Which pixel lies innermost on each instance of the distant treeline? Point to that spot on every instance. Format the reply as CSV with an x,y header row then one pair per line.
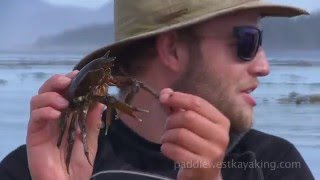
x,y
296,33
93,35
280,33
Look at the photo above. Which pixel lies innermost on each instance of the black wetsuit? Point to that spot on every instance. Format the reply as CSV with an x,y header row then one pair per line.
x,y
124,155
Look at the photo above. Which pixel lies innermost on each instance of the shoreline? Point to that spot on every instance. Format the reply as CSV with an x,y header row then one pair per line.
x,y
74,60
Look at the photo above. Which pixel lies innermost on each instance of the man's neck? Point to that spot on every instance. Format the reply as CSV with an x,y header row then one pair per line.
x,y
153,123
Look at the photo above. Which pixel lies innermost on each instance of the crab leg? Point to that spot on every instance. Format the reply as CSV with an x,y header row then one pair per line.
x,y
134,90
103,100
82,120
126,108
135,85
148,89
108,116
62,125
71,137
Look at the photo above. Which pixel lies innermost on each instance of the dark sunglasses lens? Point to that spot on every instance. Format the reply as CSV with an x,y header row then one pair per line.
x,y
248,43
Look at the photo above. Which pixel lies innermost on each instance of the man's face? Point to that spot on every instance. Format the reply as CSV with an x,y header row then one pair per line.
x,y
215,72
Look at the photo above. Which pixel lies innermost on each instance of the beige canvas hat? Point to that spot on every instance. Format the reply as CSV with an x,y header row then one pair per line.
x,y
138,19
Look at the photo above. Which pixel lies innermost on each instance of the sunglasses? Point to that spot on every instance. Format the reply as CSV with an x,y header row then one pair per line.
x,y
249,41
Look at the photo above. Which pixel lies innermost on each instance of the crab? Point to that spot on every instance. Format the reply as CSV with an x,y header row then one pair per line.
x,y
90,86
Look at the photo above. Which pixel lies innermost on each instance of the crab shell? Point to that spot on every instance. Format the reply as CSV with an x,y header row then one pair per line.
x,y
89,76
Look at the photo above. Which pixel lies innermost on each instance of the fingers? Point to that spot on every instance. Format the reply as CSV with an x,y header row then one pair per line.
x,y
39,118
189,141
51,99
44,132
57,83
178,153
197,124
46,106
195,131
48,99
194,103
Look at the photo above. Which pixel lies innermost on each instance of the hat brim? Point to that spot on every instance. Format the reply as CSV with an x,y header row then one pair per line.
x,y
265,9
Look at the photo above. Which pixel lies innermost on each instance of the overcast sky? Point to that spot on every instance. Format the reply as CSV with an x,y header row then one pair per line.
x,y
81,3
307,4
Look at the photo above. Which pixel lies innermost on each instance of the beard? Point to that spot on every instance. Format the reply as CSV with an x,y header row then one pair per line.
x,y
198,80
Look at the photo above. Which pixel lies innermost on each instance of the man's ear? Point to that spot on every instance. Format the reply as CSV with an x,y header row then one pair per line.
x,y
172,52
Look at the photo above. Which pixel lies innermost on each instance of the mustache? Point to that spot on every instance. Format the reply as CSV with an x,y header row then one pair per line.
x,y
249,85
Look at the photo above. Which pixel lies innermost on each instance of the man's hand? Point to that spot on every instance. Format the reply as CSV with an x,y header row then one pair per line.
x,y
196,135
47,161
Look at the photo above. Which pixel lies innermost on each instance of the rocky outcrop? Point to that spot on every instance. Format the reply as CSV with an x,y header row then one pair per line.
x,y
297,98
3,82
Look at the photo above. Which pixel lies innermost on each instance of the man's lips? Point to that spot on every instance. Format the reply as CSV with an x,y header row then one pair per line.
x,y
250,89
247,97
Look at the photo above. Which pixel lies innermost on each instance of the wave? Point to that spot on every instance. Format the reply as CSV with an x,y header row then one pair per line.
x,y
296,98
19,64
299,63
26,60
313,146
38,57
3,82
35,75
291,83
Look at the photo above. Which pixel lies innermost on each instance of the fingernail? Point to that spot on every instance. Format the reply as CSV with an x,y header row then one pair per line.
x,y
64,80
63,102
166,91
75,72
164,97
72,73
54,113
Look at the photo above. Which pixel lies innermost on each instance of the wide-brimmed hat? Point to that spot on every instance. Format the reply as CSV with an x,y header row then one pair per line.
x,y
138,19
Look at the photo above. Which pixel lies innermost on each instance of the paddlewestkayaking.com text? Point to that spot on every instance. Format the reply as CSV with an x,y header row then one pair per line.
x,y
239,165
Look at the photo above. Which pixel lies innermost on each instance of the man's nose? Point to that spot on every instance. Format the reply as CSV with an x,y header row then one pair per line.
x,y
259,65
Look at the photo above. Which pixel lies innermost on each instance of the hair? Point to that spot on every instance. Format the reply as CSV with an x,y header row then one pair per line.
x,y
139,55
136,57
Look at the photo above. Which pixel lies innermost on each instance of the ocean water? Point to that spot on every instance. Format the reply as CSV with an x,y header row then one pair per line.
x,y
21,75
